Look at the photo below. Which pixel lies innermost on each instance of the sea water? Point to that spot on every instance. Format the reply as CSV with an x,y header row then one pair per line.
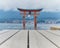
x,y
19,26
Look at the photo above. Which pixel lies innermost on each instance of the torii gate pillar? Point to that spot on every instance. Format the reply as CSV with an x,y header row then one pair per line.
x,y
35,21
24,20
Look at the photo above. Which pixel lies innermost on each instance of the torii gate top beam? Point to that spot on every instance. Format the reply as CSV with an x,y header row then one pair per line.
x,y
30,10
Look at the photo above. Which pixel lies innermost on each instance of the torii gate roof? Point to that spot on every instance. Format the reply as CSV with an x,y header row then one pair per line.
x,y
30,10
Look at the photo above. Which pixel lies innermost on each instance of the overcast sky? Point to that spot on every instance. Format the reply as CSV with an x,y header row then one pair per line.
x,y
47,5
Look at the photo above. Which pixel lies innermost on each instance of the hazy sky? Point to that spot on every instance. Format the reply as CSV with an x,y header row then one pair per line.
x,y
47,5
8,8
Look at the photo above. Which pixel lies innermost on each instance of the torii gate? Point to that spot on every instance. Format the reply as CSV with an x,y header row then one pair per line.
x,y
30,12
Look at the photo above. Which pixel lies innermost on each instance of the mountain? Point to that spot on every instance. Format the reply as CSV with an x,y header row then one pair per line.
x,y
15,15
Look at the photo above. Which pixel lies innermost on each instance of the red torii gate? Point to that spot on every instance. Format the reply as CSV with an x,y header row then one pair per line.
x,y
29,12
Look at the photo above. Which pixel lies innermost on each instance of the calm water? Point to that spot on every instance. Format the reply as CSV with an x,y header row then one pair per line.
x,y
28,26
